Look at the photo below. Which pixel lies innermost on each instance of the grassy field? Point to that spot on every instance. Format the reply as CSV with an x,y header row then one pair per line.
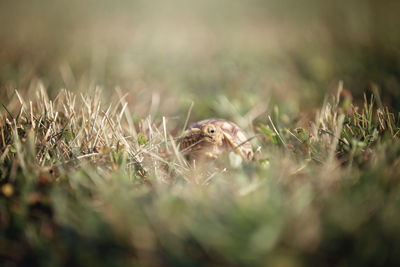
x,y
94,98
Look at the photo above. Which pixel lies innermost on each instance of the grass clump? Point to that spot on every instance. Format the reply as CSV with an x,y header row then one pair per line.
x,y
85,183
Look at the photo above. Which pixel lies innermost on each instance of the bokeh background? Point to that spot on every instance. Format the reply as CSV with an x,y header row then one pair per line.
x,y
313,201
170,53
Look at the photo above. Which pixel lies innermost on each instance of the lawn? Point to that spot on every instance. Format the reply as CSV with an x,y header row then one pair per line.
x,y
95,97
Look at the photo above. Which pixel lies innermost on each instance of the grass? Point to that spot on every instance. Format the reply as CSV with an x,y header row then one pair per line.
x,y
94,97
84,183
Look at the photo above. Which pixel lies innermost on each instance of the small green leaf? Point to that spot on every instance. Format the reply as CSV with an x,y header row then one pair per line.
x,y
13,149
142,139
302,134
269,133
67,135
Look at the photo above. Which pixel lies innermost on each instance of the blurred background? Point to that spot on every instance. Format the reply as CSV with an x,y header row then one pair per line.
x,y
209,52
232,59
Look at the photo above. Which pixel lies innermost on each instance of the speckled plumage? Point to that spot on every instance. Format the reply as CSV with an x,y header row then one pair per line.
x,y
212,137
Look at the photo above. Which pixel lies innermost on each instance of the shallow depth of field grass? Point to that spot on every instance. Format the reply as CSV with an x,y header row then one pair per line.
x,y
82,183
95,97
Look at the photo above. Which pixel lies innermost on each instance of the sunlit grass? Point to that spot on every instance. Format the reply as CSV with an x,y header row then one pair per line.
x,y
95,95
84,182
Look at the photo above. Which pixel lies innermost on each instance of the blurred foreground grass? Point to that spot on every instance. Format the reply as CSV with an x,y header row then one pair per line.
x,y
91,175
83,184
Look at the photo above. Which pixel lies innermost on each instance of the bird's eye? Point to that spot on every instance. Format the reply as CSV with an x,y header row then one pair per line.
x,y
211,131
